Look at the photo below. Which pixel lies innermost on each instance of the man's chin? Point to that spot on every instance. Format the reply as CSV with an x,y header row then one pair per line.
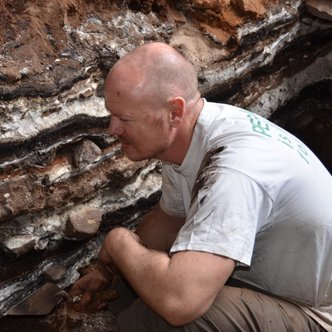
x,y
134,156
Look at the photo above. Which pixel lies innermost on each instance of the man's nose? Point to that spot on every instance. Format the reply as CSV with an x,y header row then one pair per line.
x,y
115,127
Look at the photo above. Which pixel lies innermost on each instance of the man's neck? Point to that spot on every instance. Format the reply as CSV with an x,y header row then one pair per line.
x,y
182,141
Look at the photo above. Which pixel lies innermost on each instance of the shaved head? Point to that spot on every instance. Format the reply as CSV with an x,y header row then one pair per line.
x,y
156,71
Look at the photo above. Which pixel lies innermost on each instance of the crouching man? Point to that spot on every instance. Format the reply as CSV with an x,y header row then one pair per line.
x,y
241,239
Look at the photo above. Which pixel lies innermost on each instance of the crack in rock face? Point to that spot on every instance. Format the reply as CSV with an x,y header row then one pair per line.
x,y
64,182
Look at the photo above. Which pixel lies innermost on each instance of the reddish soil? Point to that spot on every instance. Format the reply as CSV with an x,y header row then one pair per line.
x,y
35,29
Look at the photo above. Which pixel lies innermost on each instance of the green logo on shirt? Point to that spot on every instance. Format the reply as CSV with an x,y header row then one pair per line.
x,y
261,127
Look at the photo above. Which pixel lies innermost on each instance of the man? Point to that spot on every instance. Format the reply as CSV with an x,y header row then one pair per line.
x,y
242,236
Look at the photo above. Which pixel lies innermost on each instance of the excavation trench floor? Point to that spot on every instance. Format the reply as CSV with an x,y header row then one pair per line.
x,y
57,322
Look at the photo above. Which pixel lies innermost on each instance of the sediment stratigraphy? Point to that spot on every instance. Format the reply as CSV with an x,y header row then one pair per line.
x,y
63,180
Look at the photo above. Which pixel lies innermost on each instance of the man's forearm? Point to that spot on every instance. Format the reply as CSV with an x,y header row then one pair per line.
x,y
146,270
105,264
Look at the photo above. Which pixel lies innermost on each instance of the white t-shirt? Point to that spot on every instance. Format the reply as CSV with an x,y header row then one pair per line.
x,y
253,192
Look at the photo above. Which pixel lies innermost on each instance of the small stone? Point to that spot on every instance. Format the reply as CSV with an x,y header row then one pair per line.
x,y
252,8
82,223
55,273
86,94
86,153
19,244
66,54
94,20
10,74
91,27
24,71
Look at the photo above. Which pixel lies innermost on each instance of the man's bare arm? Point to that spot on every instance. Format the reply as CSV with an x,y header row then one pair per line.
x,y
158,230
180,288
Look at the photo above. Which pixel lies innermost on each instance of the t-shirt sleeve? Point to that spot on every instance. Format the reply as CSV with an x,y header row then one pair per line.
x,y
171,200
227,209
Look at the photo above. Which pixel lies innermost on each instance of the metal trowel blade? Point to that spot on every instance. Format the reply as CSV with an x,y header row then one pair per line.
x,y
41,302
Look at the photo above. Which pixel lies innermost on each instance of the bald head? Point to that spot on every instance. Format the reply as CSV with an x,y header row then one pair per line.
x,y
156,71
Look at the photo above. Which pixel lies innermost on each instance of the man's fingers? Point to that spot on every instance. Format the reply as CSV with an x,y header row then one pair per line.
x,y
84,291
84,303
75,291
86,298
101,305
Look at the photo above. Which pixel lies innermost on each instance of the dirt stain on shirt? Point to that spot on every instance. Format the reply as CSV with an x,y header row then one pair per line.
x,y
206,174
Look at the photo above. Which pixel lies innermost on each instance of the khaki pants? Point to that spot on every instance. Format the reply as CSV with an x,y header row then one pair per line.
x,y
235,309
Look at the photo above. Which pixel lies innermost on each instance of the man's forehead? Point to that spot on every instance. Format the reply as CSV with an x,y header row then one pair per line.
x,y
110,103
120,107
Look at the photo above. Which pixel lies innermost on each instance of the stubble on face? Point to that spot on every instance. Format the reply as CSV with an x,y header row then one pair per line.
x,y
149,140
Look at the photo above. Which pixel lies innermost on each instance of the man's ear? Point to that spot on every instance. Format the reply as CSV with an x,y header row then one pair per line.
x,y
176,110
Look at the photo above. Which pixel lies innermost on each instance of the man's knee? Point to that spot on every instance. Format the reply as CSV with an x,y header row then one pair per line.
x,y
241,309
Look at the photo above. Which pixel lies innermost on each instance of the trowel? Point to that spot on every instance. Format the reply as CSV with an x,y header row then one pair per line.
x,y
41,302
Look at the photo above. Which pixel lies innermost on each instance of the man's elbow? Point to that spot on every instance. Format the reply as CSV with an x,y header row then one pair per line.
x,y
179,319
178,313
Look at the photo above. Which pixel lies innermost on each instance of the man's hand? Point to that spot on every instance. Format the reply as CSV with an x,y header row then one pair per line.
x,y
86,288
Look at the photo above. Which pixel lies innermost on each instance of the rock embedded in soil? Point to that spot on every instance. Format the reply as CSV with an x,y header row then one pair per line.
x,y
83,222
85,153
55,273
